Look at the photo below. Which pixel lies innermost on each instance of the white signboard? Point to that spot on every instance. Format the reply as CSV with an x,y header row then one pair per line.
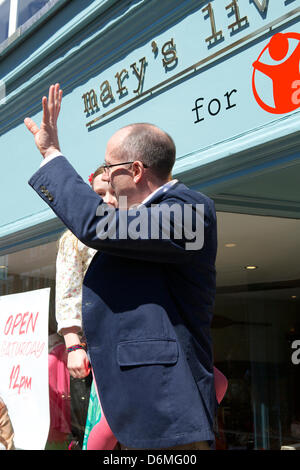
x,y
24,366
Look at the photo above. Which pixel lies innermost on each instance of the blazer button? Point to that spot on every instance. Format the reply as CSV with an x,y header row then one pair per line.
x,y
47,194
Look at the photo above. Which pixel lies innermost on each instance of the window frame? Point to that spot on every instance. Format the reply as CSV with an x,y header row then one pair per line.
x,y
18,34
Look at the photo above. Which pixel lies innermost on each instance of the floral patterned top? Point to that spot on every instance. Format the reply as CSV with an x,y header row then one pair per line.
x,y
6,429
72,262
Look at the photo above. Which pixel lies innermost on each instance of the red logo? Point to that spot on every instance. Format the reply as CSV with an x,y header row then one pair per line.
x,y
285,74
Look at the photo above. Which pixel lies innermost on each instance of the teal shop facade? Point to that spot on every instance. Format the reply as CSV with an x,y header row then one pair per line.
x,y
186,66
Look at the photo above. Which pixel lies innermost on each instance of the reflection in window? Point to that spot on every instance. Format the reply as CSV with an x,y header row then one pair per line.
x,y
31,269
256,319
28,8
4,19
14,13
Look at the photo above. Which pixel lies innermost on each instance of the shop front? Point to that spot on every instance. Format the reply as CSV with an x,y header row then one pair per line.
x,y
194,68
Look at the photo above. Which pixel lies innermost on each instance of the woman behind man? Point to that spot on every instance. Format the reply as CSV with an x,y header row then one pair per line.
x,y
73,260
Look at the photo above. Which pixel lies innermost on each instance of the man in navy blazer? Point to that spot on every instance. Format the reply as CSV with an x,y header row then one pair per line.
x,y
148,295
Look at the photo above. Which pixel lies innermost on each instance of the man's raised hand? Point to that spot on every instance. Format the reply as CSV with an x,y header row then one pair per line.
x,y
46,137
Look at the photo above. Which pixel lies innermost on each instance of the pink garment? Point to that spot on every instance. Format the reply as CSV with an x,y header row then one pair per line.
x,y
59,394
221,384
101,436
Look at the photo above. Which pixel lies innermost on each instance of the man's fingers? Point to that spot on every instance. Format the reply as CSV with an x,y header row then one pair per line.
x,y
46,114
31,125
46,136
54,102
58,98
59,102
51,95
50,107
56,92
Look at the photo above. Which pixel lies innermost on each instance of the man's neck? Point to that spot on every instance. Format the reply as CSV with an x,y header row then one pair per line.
x,y
137,197
148,194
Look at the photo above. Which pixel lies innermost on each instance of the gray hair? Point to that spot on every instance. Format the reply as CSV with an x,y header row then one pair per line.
x,y
152,146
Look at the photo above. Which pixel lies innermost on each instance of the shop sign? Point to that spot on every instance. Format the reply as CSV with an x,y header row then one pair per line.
x,y
24,366
223,27
284,73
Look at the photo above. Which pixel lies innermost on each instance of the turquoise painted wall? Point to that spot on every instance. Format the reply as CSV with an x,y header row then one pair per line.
x,y
87,43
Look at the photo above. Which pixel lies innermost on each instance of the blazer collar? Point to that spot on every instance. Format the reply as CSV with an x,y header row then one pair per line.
x,y
159,193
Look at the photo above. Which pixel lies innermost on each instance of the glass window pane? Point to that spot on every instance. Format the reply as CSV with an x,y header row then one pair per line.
x,y
28,8
28,270
255,323
4,19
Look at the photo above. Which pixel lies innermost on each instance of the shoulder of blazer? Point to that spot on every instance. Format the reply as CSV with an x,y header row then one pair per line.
x,y
181,192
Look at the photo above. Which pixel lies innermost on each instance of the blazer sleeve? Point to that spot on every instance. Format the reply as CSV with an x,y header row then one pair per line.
x,y
86,215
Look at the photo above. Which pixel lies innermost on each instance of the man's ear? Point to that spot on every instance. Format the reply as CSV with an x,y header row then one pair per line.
x,y
138,171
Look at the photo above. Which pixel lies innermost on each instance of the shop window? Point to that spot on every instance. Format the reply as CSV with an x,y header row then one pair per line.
x,y
255,324
4,19
31,269
27,9
15,14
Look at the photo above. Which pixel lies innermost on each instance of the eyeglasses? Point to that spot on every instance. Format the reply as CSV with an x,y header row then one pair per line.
x,y
107,167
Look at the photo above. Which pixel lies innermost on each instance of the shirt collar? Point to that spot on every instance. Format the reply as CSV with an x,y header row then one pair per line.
x,y
164,188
